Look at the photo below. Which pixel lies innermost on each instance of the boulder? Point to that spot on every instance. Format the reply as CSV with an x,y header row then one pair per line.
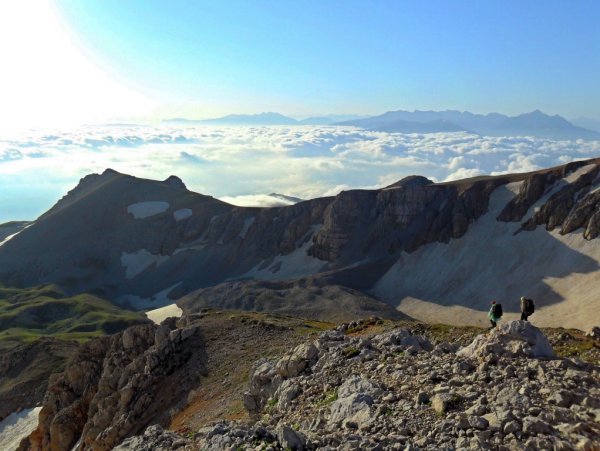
x,y
290,439
301,358
513,339
443,402
355,408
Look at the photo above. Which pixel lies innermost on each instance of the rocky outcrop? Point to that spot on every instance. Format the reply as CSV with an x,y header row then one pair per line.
x,y
364,394
115,385
556,210
397,390
155,438
530,192
404,216
514,338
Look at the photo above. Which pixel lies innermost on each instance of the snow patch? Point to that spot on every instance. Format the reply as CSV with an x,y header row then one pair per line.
x,y
295,264
573,176
143,210
247,224
17,426
137,262
160,314
182,214
10,237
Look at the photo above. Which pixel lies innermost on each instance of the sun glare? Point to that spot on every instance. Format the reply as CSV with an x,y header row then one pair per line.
x,y
47,81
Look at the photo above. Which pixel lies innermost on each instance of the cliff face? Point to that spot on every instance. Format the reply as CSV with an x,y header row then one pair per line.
x,y
115,385
142,243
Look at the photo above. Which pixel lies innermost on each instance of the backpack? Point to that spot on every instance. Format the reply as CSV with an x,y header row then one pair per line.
x,y
497,310
529,307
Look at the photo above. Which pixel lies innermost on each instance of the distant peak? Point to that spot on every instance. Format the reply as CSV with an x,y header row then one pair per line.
x,y
175,182
411,180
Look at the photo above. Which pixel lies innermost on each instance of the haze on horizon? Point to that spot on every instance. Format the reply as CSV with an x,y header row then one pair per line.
x,y
74,62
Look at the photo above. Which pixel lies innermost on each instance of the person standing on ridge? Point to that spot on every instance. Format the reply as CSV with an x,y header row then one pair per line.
x,y
527,308
495,313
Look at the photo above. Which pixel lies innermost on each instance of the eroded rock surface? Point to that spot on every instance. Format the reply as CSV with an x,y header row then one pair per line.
x,y
373,394
115,385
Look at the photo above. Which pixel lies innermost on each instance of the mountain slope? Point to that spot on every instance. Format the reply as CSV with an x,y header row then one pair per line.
x,y
144,244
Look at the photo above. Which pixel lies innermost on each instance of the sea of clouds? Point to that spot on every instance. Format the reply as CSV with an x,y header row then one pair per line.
x,y
243,164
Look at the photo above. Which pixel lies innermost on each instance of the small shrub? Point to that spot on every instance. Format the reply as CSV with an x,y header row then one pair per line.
x,y
350,352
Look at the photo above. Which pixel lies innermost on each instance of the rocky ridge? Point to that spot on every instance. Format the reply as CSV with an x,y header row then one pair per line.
x,y
115,385
400,390
184,372
154,259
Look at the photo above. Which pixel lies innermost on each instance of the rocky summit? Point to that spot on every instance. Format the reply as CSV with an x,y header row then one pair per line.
x,y
364,385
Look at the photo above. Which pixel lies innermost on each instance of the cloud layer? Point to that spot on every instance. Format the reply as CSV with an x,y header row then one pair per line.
x,y
241,164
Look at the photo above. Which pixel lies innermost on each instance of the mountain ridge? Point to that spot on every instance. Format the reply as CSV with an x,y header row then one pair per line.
x,y
534,123
144,244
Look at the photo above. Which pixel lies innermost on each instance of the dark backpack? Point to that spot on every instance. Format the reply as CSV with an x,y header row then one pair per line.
x,y
529,307
497,310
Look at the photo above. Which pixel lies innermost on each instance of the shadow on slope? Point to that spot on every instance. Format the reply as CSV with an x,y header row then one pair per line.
x,y
490,262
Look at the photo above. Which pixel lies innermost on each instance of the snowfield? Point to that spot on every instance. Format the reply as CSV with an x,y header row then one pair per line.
x,y
143,210
160,314
16,427
295,264
454,283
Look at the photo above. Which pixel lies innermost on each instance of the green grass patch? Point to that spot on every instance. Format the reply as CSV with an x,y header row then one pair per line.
x,y
350,352
328,398
27,314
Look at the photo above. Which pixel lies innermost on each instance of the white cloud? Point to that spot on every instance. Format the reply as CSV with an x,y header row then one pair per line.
x,y
242,164
256,200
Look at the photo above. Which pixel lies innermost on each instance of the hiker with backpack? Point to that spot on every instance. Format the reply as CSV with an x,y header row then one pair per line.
x,y
495,313
527,308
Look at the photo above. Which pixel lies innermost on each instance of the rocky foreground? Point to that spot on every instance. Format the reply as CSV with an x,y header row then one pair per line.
x,y
506,390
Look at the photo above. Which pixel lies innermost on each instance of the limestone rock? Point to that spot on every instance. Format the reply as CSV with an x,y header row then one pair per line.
x,y
443,402
301,358
513,338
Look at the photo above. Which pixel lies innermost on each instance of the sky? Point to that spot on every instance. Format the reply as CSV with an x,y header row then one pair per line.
x,y
79,61
72,67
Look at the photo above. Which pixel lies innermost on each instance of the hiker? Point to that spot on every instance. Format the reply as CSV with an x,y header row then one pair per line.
x,y
527,308
495,313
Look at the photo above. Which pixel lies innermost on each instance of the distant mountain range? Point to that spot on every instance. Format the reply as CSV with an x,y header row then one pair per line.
x,y
535,123
265,119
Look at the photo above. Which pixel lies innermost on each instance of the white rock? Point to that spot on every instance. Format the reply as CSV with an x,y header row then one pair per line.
x,y
514,338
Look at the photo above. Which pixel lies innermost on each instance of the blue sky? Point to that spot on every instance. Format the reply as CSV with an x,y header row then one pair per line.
x,y
201,59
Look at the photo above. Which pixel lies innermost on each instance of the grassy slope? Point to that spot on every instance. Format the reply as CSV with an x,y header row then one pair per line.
x,y
30,313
